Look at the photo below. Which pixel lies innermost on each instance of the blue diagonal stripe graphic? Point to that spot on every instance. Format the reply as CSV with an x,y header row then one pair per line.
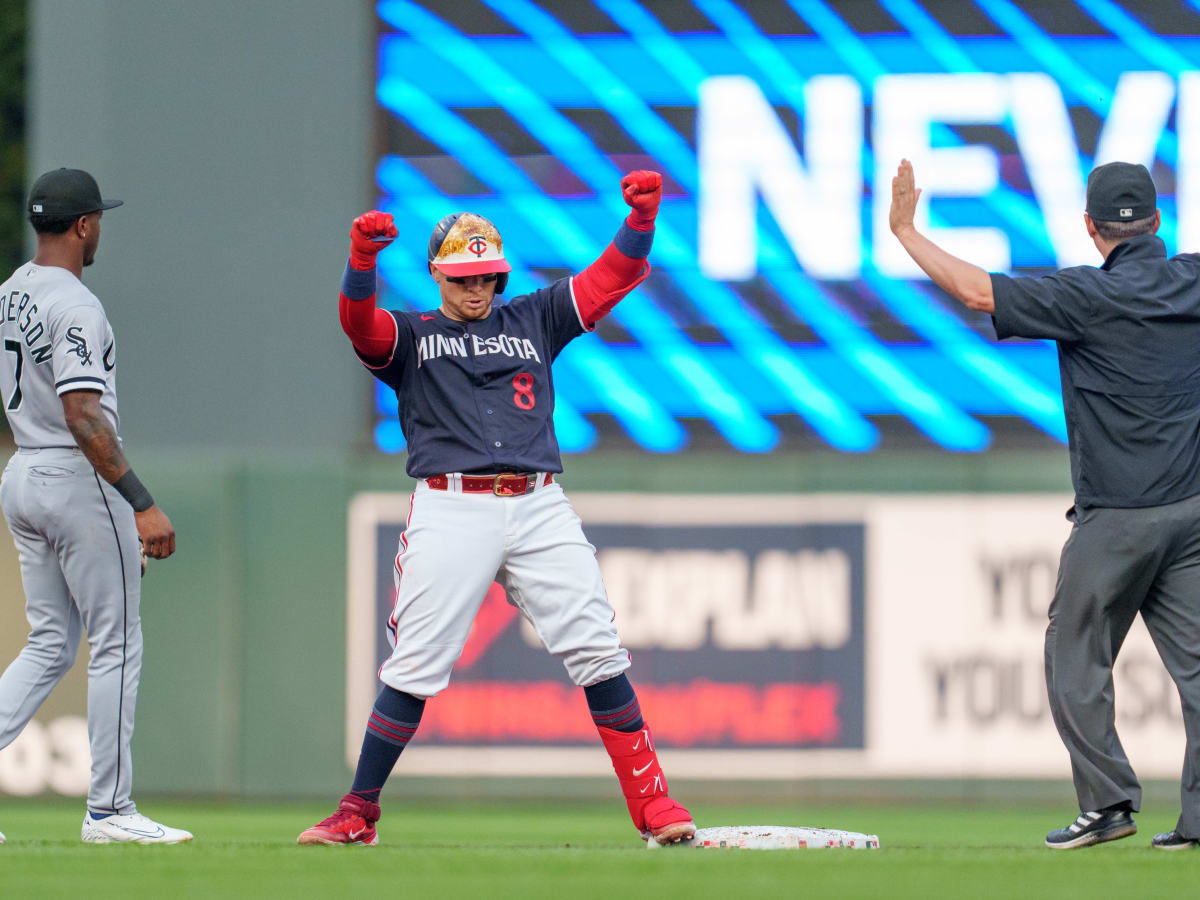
x,y
729,412
831,417
933,414
943,330
1097,96
1140,39
1021,212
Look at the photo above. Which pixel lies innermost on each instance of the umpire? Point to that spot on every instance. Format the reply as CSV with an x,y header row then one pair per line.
x,y
1128,336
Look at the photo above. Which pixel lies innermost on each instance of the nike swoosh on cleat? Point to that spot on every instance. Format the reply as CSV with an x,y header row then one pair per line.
x,y
355,835
647,787
637,773
638,744
158,832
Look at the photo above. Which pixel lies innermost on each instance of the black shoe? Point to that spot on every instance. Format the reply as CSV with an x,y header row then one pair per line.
x,y
1173,840
1092,828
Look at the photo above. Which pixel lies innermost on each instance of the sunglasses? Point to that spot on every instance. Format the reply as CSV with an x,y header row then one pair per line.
x,y
462,279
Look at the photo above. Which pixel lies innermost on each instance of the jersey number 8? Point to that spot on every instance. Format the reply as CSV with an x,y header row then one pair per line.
x,y
523,385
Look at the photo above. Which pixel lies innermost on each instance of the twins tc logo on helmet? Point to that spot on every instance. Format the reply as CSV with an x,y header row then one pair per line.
x,y
468,244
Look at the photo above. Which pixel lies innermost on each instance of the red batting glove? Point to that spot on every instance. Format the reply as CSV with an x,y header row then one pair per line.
x,y
643,191
362,248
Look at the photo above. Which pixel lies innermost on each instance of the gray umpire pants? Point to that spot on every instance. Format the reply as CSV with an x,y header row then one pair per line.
x,y
1115,564
78,548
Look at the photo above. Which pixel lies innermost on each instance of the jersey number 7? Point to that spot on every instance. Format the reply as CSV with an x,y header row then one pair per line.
x,y
15,400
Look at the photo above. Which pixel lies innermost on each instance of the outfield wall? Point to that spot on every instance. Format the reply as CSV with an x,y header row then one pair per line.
x,y
931,669
777,637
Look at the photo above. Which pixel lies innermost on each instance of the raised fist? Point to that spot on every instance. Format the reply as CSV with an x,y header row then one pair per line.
x,y
373,224
642,191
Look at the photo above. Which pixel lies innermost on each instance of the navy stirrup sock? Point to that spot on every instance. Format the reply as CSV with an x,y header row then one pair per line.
x,y
392,723
613,704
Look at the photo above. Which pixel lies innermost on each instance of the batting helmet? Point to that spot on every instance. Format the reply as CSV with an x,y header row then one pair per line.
x,y
464,243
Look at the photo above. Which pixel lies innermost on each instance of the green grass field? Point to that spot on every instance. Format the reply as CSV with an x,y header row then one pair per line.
x,y
578,849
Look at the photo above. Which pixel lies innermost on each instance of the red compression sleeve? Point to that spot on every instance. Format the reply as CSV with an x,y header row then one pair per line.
x,y
621,267
371,330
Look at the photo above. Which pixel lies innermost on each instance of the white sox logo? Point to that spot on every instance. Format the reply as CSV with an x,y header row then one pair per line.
x,y
477,244
78,345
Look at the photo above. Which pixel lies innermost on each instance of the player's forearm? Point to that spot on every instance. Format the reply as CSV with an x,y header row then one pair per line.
x,y
95,436
99,443
621,267
967,283
371,330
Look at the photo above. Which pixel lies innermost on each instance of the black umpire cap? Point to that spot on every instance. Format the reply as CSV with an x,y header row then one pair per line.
x,y
67,192
1120,192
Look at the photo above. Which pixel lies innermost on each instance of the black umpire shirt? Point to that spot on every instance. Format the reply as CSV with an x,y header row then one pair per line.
x,y
1128,336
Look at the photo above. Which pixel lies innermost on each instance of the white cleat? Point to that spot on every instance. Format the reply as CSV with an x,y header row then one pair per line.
x,y
133,828
2,837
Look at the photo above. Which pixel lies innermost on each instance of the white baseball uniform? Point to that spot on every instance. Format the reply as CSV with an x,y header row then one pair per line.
x,y
478,397
75,535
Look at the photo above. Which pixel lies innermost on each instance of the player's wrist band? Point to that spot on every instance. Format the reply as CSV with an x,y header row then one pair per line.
x,y
634,242
358,284
132,489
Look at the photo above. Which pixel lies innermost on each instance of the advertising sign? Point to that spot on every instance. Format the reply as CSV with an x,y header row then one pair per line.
x,y
777,637
960,590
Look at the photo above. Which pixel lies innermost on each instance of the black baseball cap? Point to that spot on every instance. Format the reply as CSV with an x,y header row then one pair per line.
x,y
1120,192
67,192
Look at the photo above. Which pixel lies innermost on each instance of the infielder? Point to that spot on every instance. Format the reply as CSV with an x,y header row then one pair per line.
x,y
476,397
74,506
1127,336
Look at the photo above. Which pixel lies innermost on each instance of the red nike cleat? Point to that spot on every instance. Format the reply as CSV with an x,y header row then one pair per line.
x,y
666,821
353,823
655,815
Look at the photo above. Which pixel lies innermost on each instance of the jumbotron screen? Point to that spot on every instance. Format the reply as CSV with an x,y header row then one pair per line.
x,y
781,313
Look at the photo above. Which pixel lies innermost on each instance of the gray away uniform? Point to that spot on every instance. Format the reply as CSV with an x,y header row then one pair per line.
x,y
1128,337
75,535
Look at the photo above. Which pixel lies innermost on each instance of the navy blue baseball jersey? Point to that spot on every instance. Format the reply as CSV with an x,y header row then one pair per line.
x,y
479,396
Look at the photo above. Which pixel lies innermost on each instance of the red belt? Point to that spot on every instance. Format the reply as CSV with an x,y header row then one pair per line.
x,y
506,484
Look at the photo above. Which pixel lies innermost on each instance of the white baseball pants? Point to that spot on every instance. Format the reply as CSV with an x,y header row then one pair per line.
x,y
457,544
78,546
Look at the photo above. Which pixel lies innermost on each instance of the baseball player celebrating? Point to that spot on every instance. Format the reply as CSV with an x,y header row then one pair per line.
x,y
74,506
476,399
